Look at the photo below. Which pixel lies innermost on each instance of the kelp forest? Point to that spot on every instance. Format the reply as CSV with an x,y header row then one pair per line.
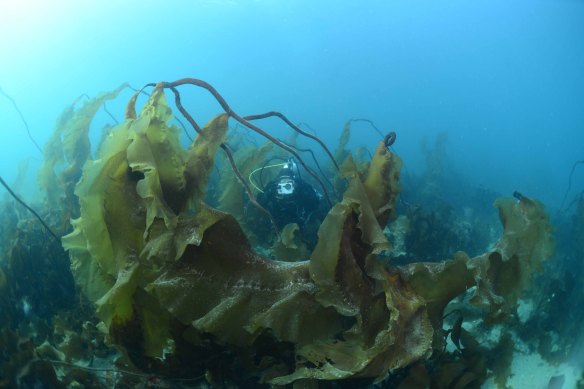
x,y
148,262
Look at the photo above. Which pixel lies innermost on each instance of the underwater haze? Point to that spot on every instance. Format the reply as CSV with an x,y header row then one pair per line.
x,y
486,100
503,79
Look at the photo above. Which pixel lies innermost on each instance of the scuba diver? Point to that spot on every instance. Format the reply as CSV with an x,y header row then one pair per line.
x,y
290,199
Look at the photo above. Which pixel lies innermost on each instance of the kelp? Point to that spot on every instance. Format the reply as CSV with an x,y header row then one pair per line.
x,y
175,280
341,155
232,198
556,292
289,247
35,284
141,164
341,152
498,276
68,147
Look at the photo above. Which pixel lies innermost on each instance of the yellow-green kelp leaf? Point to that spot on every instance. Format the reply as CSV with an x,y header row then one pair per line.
x,y
289,247
88,273
341,152
232,198
131,202
69,144
508,270
499,275
173,177
201,156
116,304
165,269
389,327
229,291
382,183
156,154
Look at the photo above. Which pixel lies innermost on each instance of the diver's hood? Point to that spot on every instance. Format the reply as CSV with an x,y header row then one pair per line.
x,y
286,173
290,169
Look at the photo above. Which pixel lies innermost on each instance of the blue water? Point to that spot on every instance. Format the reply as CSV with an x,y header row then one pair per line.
x,y
504,79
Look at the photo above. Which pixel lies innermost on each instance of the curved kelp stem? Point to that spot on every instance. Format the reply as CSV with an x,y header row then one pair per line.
x,y
131,106
570,184
304,124
190,138
295,128
40,219
247,188
236,171
370,123
184,112
313,158
234,115
246,134
22,118
389,139
110,114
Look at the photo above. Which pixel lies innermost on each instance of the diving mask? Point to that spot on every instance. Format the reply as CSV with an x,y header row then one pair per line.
x,y
285,186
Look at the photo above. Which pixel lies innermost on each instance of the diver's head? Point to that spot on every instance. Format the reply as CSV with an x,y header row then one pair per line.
x,y
290,169
287,180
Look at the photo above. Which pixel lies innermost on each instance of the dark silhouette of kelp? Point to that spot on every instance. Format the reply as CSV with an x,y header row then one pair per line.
x,y
25,205
21,118
574,166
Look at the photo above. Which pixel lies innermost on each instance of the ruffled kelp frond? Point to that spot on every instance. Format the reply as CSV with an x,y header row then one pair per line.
x,y
68,147
163,268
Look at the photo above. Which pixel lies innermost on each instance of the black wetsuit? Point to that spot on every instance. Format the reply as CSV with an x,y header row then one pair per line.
x,y
298,207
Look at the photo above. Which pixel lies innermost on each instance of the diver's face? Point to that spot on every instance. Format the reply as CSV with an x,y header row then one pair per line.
x,y
285,187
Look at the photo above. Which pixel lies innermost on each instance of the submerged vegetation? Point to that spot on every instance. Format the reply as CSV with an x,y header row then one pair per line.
x,y
183,278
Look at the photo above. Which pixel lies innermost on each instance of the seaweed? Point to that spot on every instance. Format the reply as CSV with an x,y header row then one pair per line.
x,y
68,149
182,293
553,326
574,166
22,118
25,205
35,285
